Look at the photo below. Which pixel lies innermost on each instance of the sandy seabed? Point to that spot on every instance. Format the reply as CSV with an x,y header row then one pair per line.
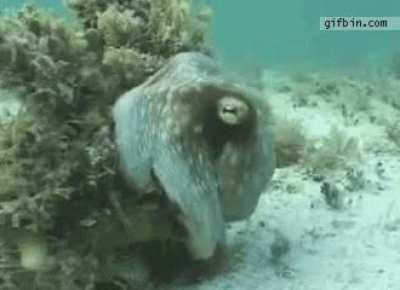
x,y
354,247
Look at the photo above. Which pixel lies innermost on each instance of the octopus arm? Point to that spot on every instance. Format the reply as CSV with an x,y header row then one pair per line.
x,y
189,184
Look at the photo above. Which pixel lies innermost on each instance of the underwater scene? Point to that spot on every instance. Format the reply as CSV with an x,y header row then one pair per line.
x,y
199,145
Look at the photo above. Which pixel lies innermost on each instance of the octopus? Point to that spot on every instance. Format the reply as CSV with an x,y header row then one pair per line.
x,y
202,139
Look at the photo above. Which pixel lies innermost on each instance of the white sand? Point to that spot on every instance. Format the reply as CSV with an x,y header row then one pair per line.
x,y
357,247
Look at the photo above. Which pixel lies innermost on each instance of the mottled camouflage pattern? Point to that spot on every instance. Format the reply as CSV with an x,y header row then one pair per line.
x,y
169,135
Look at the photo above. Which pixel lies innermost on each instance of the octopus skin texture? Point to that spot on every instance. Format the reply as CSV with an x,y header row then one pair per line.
x,y
203,140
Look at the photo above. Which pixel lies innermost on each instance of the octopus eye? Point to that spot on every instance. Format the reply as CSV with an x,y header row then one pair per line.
x,y
232,111
229,110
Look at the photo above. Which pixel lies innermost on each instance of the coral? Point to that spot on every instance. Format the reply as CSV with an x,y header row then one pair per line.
x,y
57,155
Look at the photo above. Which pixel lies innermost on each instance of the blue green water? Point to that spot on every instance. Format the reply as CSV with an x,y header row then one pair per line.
x,y
56,5
286,32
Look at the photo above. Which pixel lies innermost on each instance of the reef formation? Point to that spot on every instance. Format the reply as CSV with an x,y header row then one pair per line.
x,y
60,203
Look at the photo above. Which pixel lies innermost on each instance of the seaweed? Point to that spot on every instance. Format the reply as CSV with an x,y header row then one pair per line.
x,y
291,143
392,130
336,151
58,165
344,91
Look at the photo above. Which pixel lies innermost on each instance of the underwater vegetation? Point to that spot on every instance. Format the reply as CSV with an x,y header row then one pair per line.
x,y
349,98
355,98
292,142
393,132
59,187
335,151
